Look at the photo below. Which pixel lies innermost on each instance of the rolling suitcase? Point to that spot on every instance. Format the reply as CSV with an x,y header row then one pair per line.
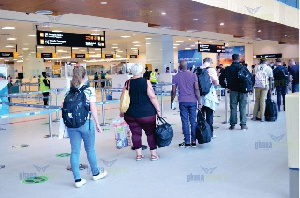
x,y
271,110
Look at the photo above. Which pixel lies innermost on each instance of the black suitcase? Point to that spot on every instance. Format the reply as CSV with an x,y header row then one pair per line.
x,y
271,110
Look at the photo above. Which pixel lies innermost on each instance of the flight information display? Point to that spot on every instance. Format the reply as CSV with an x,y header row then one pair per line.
x,y
69,39
211,48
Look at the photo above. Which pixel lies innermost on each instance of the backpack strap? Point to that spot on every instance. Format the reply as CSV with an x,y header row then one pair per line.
x,y
82,89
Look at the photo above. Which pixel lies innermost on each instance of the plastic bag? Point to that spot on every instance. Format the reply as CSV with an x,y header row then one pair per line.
x,y
122,133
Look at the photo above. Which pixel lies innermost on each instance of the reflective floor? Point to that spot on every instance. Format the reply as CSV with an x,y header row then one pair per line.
x,y
237,164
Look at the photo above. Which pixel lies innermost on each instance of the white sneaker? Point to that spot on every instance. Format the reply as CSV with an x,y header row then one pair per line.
x,y
214,137
100,176
80,184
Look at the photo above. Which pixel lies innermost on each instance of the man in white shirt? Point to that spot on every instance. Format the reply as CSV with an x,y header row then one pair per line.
x,y
263,85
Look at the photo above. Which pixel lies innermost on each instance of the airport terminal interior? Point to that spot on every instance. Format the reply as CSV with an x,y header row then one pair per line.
x,y
110,37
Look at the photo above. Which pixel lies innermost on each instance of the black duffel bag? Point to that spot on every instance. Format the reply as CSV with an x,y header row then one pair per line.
x,y
163,133
203,130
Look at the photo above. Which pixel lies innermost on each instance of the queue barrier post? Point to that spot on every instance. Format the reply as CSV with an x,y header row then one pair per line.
x,y
50,121
248,107
103,109
56,104
226,108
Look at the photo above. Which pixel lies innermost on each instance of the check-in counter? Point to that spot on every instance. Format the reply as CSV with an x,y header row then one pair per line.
x,y
292,126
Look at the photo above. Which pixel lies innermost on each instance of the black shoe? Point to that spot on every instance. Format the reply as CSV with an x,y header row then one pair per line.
x,y
184,145
231,127
193,144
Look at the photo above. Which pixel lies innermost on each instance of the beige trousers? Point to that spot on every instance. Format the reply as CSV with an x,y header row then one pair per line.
x,y
260,102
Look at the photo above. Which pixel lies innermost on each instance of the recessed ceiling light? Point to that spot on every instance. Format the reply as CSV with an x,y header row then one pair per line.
x,y
115,44
210,41
133,48
39,47
163,13
190,39
135,42
147,43
222,23
97,49
192,45
8,28
179,41
43,12
187,48
174,47
75,48
82,50
119,51
259,31
197,42
115,47
103,2
176,44
56,31
32,35
137,45
25,48
147,38
60,50
125,36
9,46
195,19
11,39
92,52
95,34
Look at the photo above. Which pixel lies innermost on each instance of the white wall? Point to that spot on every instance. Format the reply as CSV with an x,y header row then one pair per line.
x,y
271,47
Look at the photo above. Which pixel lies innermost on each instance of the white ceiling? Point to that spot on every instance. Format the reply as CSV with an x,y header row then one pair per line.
x,y
26,41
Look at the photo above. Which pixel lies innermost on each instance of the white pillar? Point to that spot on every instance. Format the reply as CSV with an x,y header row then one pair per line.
x,y
160,53
32,66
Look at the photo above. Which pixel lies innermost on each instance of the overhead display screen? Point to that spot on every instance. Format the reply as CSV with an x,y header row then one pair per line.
x,y
269,56
211,48
69,39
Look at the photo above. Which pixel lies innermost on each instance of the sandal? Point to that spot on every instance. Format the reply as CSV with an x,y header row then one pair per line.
x,y
139,157
154,157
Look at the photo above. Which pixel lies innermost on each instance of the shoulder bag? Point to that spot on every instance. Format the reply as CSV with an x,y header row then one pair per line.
x,y
125,98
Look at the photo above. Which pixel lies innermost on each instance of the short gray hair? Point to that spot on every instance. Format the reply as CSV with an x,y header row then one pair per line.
x,y
136,69
207,59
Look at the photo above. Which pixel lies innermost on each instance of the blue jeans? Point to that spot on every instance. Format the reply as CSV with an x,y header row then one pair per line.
x,y
188,113
295,88
281,91
88,137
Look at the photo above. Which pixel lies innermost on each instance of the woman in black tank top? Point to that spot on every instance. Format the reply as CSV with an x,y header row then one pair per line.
x,y
141,114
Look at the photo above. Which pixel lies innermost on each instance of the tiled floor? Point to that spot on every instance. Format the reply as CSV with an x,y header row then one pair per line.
x,y
237,164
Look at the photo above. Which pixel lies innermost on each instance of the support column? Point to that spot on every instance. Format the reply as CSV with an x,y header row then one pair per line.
x,y
159,52
32,66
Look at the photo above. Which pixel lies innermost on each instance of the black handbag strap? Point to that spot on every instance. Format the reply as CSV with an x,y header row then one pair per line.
x,y
162,120
200,116
127,84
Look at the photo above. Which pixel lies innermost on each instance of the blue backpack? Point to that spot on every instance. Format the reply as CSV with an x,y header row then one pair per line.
x,y
75,109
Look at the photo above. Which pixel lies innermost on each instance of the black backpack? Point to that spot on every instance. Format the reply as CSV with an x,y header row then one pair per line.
x,y
203,130
46,82
203,81
245,80
281,78
75,109
271,110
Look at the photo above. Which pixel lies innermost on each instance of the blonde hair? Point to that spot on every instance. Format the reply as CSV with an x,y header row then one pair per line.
x,y
78,75
136,69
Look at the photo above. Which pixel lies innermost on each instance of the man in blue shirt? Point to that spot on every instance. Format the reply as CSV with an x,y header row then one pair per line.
x,y
294,75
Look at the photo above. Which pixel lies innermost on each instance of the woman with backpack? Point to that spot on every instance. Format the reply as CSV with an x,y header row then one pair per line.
x,y
73,119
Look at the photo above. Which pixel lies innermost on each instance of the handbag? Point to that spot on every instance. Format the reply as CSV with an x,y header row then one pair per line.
x,y
163,133
125,98
203,130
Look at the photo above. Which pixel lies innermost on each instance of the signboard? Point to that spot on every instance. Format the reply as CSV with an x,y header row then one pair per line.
x,y
8,55
80,55
211,48
56,69
133,56
69,39
46,55
268,56
108,56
